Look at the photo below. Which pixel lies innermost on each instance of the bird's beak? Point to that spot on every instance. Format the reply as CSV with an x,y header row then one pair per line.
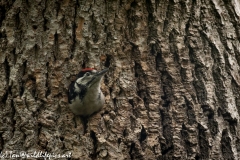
x,y
102,72
97,77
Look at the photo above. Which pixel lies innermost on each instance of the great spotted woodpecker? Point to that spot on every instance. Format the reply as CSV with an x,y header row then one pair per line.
x,y
84,95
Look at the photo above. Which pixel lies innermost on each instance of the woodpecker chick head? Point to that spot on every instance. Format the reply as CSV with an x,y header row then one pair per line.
x,y
90,77
85,96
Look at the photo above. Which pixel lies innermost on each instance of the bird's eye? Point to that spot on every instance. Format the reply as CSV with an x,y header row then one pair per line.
x,y
87,74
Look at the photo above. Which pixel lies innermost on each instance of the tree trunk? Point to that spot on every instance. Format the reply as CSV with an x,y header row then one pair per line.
x,y
172,89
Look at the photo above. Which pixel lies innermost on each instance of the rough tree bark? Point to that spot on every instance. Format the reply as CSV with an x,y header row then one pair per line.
x,y
172,91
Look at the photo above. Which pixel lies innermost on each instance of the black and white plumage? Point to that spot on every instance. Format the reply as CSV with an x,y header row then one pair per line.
x,y
84,95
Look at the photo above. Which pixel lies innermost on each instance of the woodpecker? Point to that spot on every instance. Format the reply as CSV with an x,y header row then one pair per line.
x,y
84,95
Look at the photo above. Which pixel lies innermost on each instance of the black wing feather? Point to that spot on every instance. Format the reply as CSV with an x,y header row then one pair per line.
x,y
72,94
